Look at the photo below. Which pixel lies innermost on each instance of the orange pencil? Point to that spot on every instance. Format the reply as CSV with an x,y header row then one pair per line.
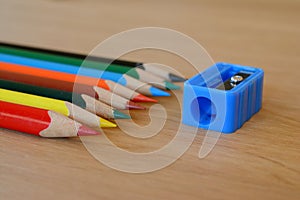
x,y
65,81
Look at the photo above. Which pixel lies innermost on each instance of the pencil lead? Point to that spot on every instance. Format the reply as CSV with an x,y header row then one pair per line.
x,y
159,93
171,86
132,105
142,98
107,124
85,131
176,78
120,115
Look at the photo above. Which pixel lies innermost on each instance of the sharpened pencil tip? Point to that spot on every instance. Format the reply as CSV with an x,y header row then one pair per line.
x,y
85,131
107,124
176,78
132,105
120,115
171,86
159,93
142,98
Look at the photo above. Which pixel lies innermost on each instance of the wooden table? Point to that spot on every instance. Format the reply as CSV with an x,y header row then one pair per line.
x,y
260,161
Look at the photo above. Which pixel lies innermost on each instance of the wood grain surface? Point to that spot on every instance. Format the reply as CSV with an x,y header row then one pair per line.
x,y
259,161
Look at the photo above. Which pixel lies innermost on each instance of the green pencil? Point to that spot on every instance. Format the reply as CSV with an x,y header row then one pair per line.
x,y
81,100
136,73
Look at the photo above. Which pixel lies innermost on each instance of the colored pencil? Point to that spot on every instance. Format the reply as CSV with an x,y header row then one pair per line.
x,y
30,77
133,72
155,70
84,101
122,79
40,122
120,66
66,82
122,90
118,101
66,108
81,100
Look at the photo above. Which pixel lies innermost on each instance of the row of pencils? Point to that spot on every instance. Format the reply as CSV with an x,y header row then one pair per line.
x,y
52,93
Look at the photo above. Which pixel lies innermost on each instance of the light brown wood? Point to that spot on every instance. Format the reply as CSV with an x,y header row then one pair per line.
x,y
97,107
121,90
58,124
260,161
110,98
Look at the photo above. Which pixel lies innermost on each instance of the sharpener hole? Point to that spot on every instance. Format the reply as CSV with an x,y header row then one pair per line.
x,y
203,110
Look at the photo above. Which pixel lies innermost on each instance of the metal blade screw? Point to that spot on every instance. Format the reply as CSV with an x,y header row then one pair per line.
x,y
236,80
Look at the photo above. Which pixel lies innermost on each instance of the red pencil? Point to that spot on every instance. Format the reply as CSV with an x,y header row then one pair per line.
x,y
40,122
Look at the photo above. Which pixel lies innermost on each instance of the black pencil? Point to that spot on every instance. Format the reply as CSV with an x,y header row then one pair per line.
x,y
146,67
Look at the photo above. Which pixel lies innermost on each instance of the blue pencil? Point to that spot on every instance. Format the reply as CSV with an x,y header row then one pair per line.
x,y
122,79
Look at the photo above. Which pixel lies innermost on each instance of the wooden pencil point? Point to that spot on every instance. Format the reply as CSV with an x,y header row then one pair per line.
x,y
86,131
142,98
132,105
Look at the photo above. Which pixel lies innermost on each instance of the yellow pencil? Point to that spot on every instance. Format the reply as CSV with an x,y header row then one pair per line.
x,y
63,107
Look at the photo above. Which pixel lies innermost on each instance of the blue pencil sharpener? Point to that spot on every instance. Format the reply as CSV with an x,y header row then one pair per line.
x,y
223,97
